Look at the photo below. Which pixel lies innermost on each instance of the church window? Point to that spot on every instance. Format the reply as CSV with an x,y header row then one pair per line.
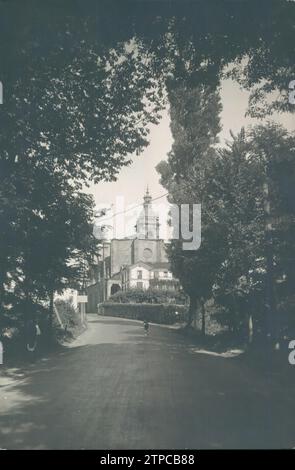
x,y
147,253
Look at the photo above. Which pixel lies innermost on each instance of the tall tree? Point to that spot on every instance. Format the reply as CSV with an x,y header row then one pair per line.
x,y
195,125
252,179
274,147
74,114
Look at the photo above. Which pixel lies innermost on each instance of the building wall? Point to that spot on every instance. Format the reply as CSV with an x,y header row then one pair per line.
x,y
135,280
149,251
161,274
120,254
131,277
95,295
106,250
126,252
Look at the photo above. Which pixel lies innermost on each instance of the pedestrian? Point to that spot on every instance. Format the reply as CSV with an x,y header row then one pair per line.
x,y
146,327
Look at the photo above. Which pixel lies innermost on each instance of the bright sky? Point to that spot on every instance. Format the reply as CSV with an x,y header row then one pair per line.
x,y
133,179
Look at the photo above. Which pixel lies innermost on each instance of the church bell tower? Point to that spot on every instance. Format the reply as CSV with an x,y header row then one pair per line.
x,y
147,226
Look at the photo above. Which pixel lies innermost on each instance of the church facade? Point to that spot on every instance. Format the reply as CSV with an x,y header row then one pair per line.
x,y
137,262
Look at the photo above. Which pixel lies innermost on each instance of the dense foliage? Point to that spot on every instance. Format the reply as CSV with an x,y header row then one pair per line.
x,y
82,82
246,190
153,296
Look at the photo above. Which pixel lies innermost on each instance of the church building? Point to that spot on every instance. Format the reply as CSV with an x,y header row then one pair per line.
x,y
137,262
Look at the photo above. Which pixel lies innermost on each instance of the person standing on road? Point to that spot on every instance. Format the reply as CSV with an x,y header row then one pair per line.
x,y
146,327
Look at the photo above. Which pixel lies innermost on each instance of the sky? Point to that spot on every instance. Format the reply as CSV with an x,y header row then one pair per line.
x,y
133,179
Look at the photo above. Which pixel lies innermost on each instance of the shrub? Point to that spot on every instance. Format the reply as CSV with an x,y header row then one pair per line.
x,y
70,318
155,313
67,313
149,296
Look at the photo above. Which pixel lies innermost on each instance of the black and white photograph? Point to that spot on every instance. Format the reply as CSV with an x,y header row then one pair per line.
x,y
147,228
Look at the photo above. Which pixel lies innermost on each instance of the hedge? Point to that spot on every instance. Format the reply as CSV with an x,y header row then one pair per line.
x,y
148,296
155,313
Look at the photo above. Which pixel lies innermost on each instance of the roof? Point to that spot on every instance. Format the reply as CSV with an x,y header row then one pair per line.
x,y
138,263
150,266
160,265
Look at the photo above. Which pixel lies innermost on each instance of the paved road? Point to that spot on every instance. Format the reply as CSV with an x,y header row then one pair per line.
x,y
116,388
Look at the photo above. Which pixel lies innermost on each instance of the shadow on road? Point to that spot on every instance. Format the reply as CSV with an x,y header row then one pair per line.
x,y
120,389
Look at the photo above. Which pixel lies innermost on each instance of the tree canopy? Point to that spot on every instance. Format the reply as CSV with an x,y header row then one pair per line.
x,y
82,83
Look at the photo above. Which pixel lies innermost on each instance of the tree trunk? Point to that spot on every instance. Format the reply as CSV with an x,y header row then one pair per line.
x,y
270,289
250,329
27,310
234,311
2,293
191,310
203,313
50,319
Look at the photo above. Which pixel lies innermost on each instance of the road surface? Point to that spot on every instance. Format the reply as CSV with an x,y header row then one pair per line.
x,y
115,388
